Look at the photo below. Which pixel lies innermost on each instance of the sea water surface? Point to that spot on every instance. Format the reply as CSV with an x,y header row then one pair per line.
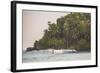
x,y
45,56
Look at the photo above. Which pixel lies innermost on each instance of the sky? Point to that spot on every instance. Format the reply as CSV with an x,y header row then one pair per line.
x,y
34,24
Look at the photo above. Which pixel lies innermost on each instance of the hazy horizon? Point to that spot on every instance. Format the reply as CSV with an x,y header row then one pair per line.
x,y
34,23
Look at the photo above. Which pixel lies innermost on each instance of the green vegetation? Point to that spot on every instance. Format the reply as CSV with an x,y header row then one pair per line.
x,y
69,32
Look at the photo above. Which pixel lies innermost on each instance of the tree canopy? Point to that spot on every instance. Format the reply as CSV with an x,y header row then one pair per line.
x,y
71,31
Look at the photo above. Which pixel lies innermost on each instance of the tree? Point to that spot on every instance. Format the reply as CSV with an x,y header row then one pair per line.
x,y
70,31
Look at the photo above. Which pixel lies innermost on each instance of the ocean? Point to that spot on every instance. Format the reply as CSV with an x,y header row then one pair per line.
x,y
46,56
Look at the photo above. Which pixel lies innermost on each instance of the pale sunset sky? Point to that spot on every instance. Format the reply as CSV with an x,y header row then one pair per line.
x,y
34,24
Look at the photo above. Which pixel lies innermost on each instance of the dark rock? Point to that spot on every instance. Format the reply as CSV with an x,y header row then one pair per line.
x,y
29,49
